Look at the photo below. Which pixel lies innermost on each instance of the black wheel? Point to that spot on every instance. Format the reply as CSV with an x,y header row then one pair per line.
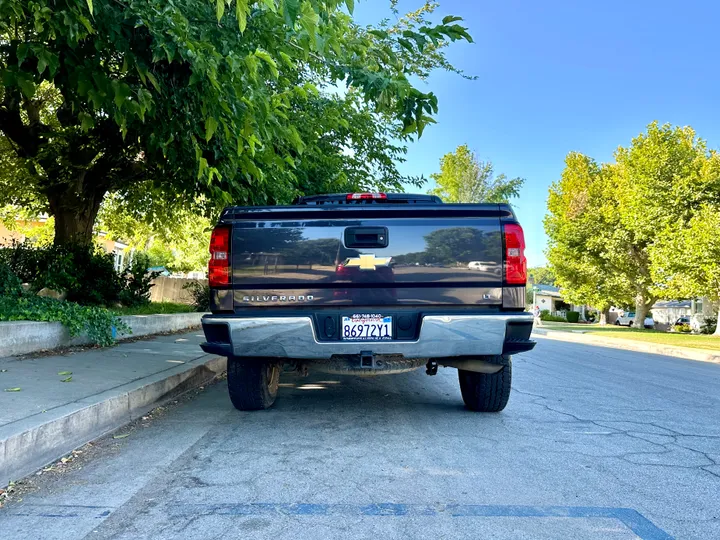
x,y
253,384
630,324
486,392
617,323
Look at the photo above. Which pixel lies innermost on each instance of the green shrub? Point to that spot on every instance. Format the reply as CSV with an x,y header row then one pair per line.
x,y
85,273
200,293
98,324
10,284
23,260
573,316
552,318
684,328
136,282
709,325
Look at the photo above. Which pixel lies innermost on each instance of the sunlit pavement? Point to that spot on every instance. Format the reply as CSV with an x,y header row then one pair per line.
x,y
595,443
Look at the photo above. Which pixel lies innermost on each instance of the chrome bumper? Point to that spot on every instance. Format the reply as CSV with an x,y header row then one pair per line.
x,y
440,336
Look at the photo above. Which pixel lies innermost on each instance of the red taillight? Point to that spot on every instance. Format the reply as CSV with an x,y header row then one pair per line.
x,y
219,265
362,196
515,262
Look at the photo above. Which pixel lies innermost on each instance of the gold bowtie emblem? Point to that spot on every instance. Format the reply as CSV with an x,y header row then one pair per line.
x,y
368,262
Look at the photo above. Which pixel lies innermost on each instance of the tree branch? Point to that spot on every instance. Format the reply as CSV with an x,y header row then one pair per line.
x,y
26,138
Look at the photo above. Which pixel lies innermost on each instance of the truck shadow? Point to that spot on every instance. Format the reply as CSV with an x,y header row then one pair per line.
x,y
400,392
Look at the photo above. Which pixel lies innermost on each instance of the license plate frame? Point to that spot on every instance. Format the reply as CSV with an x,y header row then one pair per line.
x,y
366,327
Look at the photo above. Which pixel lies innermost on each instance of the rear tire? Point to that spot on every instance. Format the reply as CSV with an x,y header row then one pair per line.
x,y
486,392
252,384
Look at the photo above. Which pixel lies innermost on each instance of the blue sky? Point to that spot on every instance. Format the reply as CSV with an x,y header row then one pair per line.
x,y
559,76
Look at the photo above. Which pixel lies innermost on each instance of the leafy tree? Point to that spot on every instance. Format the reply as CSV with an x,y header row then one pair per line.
x,y
194,103
605,221
659,182
541,275
687,260
579,225
178,242
465,179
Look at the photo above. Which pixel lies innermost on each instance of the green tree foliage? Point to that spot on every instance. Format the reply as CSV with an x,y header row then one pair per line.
x,y
687,260
606,222
202,103
178,241
541,275
465,179
661,181
579,224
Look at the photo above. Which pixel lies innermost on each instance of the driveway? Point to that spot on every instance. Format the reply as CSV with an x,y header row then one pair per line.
x,y
595,443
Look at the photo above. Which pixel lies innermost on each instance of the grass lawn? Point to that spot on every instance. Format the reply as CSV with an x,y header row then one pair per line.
x,y
652,336
153,308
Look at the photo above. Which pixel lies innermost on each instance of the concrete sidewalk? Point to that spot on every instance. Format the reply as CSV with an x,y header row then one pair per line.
x,y
689,353
104,389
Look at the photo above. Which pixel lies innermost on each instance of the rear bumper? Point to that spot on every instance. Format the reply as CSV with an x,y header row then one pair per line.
x,y
440,337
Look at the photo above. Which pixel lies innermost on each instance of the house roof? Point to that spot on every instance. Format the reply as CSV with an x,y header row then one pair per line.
x,y
673,304
548,290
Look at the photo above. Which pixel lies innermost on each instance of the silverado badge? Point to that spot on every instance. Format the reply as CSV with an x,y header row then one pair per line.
x,y
367,262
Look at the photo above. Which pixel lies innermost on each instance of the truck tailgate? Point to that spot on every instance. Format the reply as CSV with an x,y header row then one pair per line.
x,y
355,256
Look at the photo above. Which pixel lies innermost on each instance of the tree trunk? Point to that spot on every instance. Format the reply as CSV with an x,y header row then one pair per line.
x,y
642,306
717,328
74,212
604,315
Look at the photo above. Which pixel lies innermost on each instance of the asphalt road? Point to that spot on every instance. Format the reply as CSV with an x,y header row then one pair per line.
x,y
595,443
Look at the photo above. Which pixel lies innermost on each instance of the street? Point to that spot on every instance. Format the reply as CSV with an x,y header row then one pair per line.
x,y
595,443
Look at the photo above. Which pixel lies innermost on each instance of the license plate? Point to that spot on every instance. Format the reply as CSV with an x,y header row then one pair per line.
x,y
367,327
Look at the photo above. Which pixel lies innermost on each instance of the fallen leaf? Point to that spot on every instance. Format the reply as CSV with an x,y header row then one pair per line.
x,y
121,436
64,372
3,370
68,379
64,460
17,389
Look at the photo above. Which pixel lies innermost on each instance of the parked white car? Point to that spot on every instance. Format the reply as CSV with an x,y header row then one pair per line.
x,y
629,318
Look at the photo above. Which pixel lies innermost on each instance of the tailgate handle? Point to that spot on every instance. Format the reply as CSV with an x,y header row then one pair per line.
x,y
366,237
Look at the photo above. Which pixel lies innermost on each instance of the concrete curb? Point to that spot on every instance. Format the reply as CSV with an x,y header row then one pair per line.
x,y
700,355
32,443
24,337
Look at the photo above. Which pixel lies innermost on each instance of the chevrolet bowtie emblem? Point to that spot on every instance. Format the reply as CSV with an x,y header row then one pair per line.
x,y
368,262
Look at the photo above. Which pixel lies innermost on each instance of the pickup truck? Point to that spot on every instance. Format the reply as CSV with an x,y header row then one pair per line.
x,y
368,284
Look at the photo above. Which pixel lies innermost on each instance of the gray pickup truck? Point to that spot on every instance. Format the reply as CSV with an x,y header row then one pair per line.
x,y
368,284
